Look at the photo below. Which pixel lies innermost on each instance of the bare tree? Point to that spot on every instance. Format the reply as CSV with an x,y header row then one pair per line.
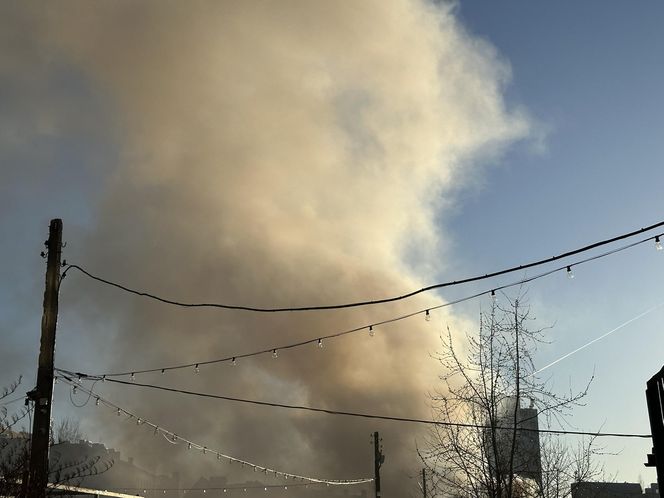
x,y
490,385
67,430
15,449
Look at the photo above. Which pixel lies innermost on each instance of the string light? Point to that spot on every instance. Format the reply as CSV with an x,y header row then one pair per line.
x,y
196,369
97,402
174,437
493,295
233,359
658,244
427,316
132,377
274,353
320,343
570,274
371,331
163,371
118,412
74,389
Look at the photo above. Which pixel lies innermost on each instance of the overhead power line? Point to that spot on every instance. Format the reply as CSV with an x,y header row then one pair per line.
x,y
466,280
371,327
175,438
373,415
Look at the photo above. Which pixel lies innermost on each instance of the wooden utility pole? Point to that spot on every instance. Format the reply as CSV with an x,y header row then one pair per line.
x,y
424,483
379,458
42,395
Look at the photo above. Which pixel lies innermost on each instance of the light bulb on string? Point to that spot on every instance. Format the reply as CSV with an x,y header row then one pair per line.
x,y
138,421
196,369
320,343
371,331
494,298
658,244
570,274
74,389
118,412
156,430
103,378
274,353
233,361
132,377
427,316
97,402
189,446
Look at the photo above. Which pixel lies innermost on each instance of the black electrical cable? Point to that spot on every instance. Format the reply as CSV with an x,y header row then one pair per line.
x,y
374,416
368,302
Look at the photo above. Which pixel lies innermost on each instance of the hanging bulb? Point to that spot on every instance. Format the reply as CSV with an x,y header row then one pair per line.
x,y
427,316
97,402
132,377
658,244
569,272
174,438
493,295
218,456
118,412
74,389
274,353
138,421
371,331
204,450
103,378
320,343
196,369
156,431
189,446
285,487
233,362
163,371
224,490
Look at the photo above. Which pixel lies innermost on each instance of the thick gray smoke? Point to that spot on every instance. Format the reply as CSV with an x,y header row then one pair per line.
x,y
271,154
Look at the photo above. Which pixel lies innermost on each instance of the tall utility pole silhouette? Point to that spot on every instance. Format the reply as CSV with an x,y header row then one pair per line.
x,y
379,458
42,395
655,399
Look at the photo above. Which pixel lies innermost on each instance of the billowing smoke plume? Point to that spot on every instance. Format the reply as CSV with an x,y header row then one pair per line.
x,y
272,154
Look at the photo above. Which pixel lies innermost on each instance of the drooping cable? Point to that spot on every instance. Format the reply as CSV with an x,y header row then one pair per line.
x,y
206,449
372,415
407,295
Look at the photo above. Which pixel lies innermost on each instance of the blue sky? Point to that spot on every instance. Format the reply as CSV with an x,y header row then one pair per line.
x,y
74,131
591,74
